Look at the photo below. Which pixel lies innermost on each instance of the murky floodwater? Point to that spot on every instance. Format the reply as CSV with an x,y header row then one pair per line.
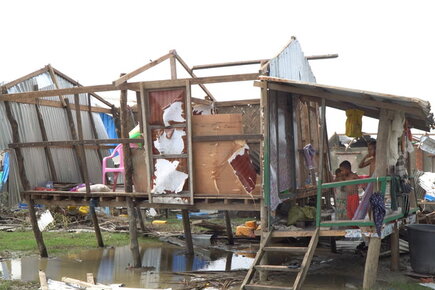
x,y
111,265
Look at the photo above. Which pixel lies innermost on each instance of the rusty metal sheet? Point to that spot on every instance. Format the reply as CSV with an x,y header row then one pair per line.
x,y
162,99
243,168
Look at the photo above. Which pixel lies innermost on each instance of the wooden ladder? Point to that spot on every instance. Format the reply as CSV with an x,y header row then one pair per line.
x,y
302,270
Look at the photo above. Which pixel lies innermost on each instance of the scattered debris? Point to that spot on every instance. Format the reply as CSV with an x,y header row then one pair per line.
x,y
45,219
72,284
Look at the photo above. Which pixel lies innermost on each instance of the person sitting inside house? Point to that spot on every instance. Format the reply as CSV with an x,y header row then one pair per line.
x,y
352,198
370,158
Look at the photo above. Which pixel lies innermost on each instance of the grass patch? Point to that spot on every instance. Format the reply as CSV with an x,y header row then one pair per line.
x,y
17,285
403,286
62,242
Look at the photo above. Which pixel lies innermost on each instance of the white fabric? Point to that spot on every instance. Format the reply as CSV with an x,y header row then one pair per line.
x,y
396,130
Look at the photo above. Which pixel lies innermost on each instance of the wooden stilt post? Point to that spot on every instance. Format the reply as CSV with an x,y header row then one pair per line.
x,y
187,231
24,181
229,228
395,249
128,182
132,226
229,261
36,232
84,169
265,201
382,147
139,216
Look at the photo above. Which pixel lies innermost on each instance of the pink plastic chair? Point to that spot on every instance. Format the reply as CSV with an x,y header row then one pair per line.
x,y
117,170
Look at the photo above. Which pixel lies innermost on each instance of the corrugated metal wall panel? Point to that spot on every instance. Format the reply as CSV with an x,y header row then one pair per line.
x,y
292,64
57,127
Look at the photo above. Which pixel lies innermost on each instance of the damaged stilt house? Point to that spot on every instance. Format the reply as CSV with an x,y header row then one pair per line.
x,y
261,154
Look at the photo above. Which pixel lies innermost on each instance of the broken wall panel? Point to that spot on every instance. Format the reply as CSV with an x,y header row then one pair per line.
x,y
251,125
169,141
244,169
282,146
213,173
160,106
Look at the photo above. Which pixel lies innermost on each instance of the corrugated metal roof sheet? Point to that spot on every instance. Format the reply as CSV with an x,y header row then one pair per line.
x,y
291,64
57,128
416,110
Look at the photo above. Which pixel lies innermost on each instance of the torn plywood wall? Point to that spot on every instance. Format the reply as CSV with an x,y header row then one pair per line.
x,y
221,168
212,169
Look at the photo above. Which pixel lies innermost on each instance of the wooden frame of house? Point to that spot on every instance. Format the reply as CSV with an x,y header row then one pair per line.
x,y
291,115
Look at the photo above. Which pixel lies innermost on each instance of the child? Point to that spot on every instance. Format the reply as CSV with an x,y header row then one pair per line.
x,y
351,191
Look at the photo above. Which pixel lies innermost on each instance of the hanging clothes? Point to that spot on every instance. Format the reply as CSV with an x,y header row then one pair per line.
x,y
396,131
354,123
309,153
378,206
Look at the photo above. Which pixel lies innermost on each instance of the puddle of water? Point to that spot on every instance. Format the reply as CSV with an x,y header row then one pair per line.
x,y
110,266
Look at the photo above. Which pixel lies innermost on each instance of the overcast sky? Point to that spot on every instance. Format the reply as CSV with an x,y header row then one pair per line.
x,y
384,46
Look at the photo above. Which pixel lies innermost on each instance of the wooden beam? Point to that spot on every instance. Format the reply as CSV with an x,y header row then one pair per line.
x,y
101,99
16,97
322,56
238,103
173,63
134,73
56,84
212,138
201,101
192,74
193,81
52,93
225,64
74,142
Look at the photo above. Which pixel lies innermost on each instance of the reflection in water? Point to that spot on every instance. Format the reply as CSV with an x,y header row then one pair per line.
x,y
111,265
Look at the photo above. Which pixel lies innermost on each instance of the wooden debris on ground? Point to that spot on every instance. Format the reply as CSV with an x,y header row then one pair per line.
x,y
89,284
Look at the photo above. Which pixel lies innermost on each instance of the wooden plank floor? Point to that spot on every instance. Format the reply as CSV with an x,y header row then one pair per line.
x,y
117,199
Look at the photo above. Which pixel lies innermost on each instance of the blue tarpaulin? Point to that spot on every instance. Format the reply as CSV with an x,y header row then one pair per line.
x,y
109,124
5,173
